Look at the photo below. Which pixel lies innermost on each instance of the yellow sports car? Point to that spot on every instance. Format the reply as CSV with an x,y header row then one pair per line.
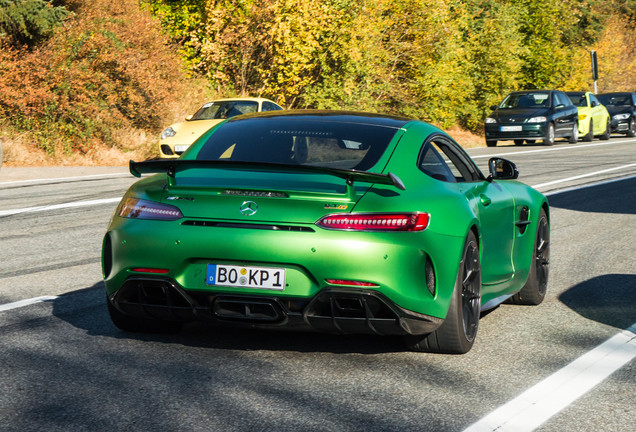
x,y
594,120
176,138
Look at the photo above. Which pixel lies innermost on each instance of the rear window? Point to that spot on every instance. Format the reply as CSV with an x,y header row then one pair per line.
x,y
299,140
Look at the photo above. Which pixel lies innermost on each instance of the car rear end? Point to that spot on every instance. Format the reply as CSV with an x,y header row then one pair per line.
x,y
278,244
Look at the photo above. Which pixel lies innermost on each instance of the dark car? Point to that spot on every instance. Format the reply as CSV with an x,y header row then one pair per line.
x,y
622,108
533,115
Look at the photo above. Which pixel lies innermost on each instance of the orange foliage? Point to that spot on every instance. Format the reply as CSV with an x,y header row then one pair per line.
x,y
103,80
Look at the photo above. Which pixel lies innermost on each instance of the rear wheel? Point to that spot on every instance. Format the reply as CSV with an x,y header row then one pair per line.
x,y
491,143
590,134
606,134
457,333
549,135
140,325
533,292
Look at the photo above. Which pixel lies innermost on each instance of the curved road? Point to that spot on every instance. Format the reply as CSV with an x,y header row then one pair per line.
x,y
548,368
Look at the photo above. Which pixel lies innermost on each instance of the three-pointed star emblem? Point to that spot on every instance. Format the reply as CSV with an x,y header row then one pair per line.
x,y
248,208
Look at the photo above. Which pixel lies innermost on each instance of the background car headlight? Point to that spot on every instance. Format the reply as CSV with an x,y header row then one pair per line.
x,y
621,116
134,208
168,132
490,120
539,119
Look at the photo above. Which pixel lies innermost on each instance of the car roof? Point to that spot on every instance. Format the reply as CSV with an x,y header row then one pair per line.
x,y
242,99
333,115
531,91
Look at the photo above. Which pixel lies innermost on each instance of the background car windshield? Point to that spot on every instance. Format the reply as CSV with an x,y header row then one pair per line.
x,y
298,140
578,99
615,99
526,100
223,110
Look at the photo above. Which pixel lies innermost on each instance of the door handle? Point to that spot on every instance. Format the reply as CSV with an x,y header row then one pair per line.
x,y
485,200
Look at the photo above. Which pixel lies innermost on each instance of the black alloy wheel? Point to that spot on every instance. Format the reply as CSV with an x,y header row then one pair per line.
x,y
456,335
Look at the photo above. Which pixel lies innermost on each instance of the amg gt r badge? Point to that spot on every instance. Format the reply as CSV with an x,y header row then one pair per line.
x,y
331,206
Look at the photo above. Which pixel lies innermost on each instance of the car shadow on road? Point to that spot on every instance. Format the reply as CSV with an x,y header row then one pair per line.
x,y
609,299
86,309
600,198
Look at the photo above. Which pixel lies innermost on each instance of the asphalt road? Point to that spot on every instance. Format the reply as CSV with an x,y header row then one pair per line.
x,y
66,367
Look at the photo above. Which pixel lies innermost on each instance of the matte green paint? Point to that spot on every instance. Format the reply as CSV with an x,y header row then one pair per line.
x,y
395,261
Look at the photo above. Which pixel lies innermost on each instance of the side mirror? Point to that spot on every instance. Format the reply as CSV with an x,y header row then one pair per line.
x,y
594,104
502,169
494,107
188,118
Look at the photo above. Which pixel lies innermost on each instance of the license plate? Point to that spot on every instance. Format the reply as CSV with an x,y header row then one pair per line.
x,y
181,148
511,128
245,277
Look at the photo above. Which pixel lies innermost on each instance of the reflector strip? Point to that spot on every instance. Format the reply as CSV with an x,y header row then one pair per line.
x,y
150,270
350,283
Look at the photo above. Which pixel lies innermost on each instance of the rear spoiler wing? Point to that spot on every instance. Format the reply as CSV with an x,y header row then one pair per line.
x,y
172,166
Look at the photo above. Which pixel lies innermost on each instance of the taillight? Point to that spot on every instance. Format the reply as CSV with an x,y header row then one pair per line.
x,y
376,221
141,209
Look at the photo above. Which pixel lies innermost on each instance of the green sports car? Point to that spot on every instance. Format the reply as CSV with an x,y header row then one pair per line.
x,y
326,220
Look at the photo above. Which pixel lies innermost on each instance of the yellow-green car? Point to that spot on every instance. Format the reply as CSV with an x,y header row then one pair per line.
x,y
176,138
594,120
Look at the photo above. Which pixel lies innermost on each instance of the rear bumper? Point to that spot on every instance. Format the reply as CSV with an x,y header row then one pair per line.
x,y
330,310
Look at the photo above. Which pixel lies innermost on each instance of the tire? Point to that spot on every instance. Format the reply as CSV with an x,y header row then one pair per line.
x,y
457,333
608,131
590,134
140,325
530,141
631,132
574,138
518,142
533,292
491,143
549,136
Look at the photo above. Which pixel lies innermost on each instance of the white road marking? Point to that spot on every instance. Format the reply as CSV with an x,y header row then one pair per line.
x,y
540,185
63,179
59,206
539,403
27,302
552,149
